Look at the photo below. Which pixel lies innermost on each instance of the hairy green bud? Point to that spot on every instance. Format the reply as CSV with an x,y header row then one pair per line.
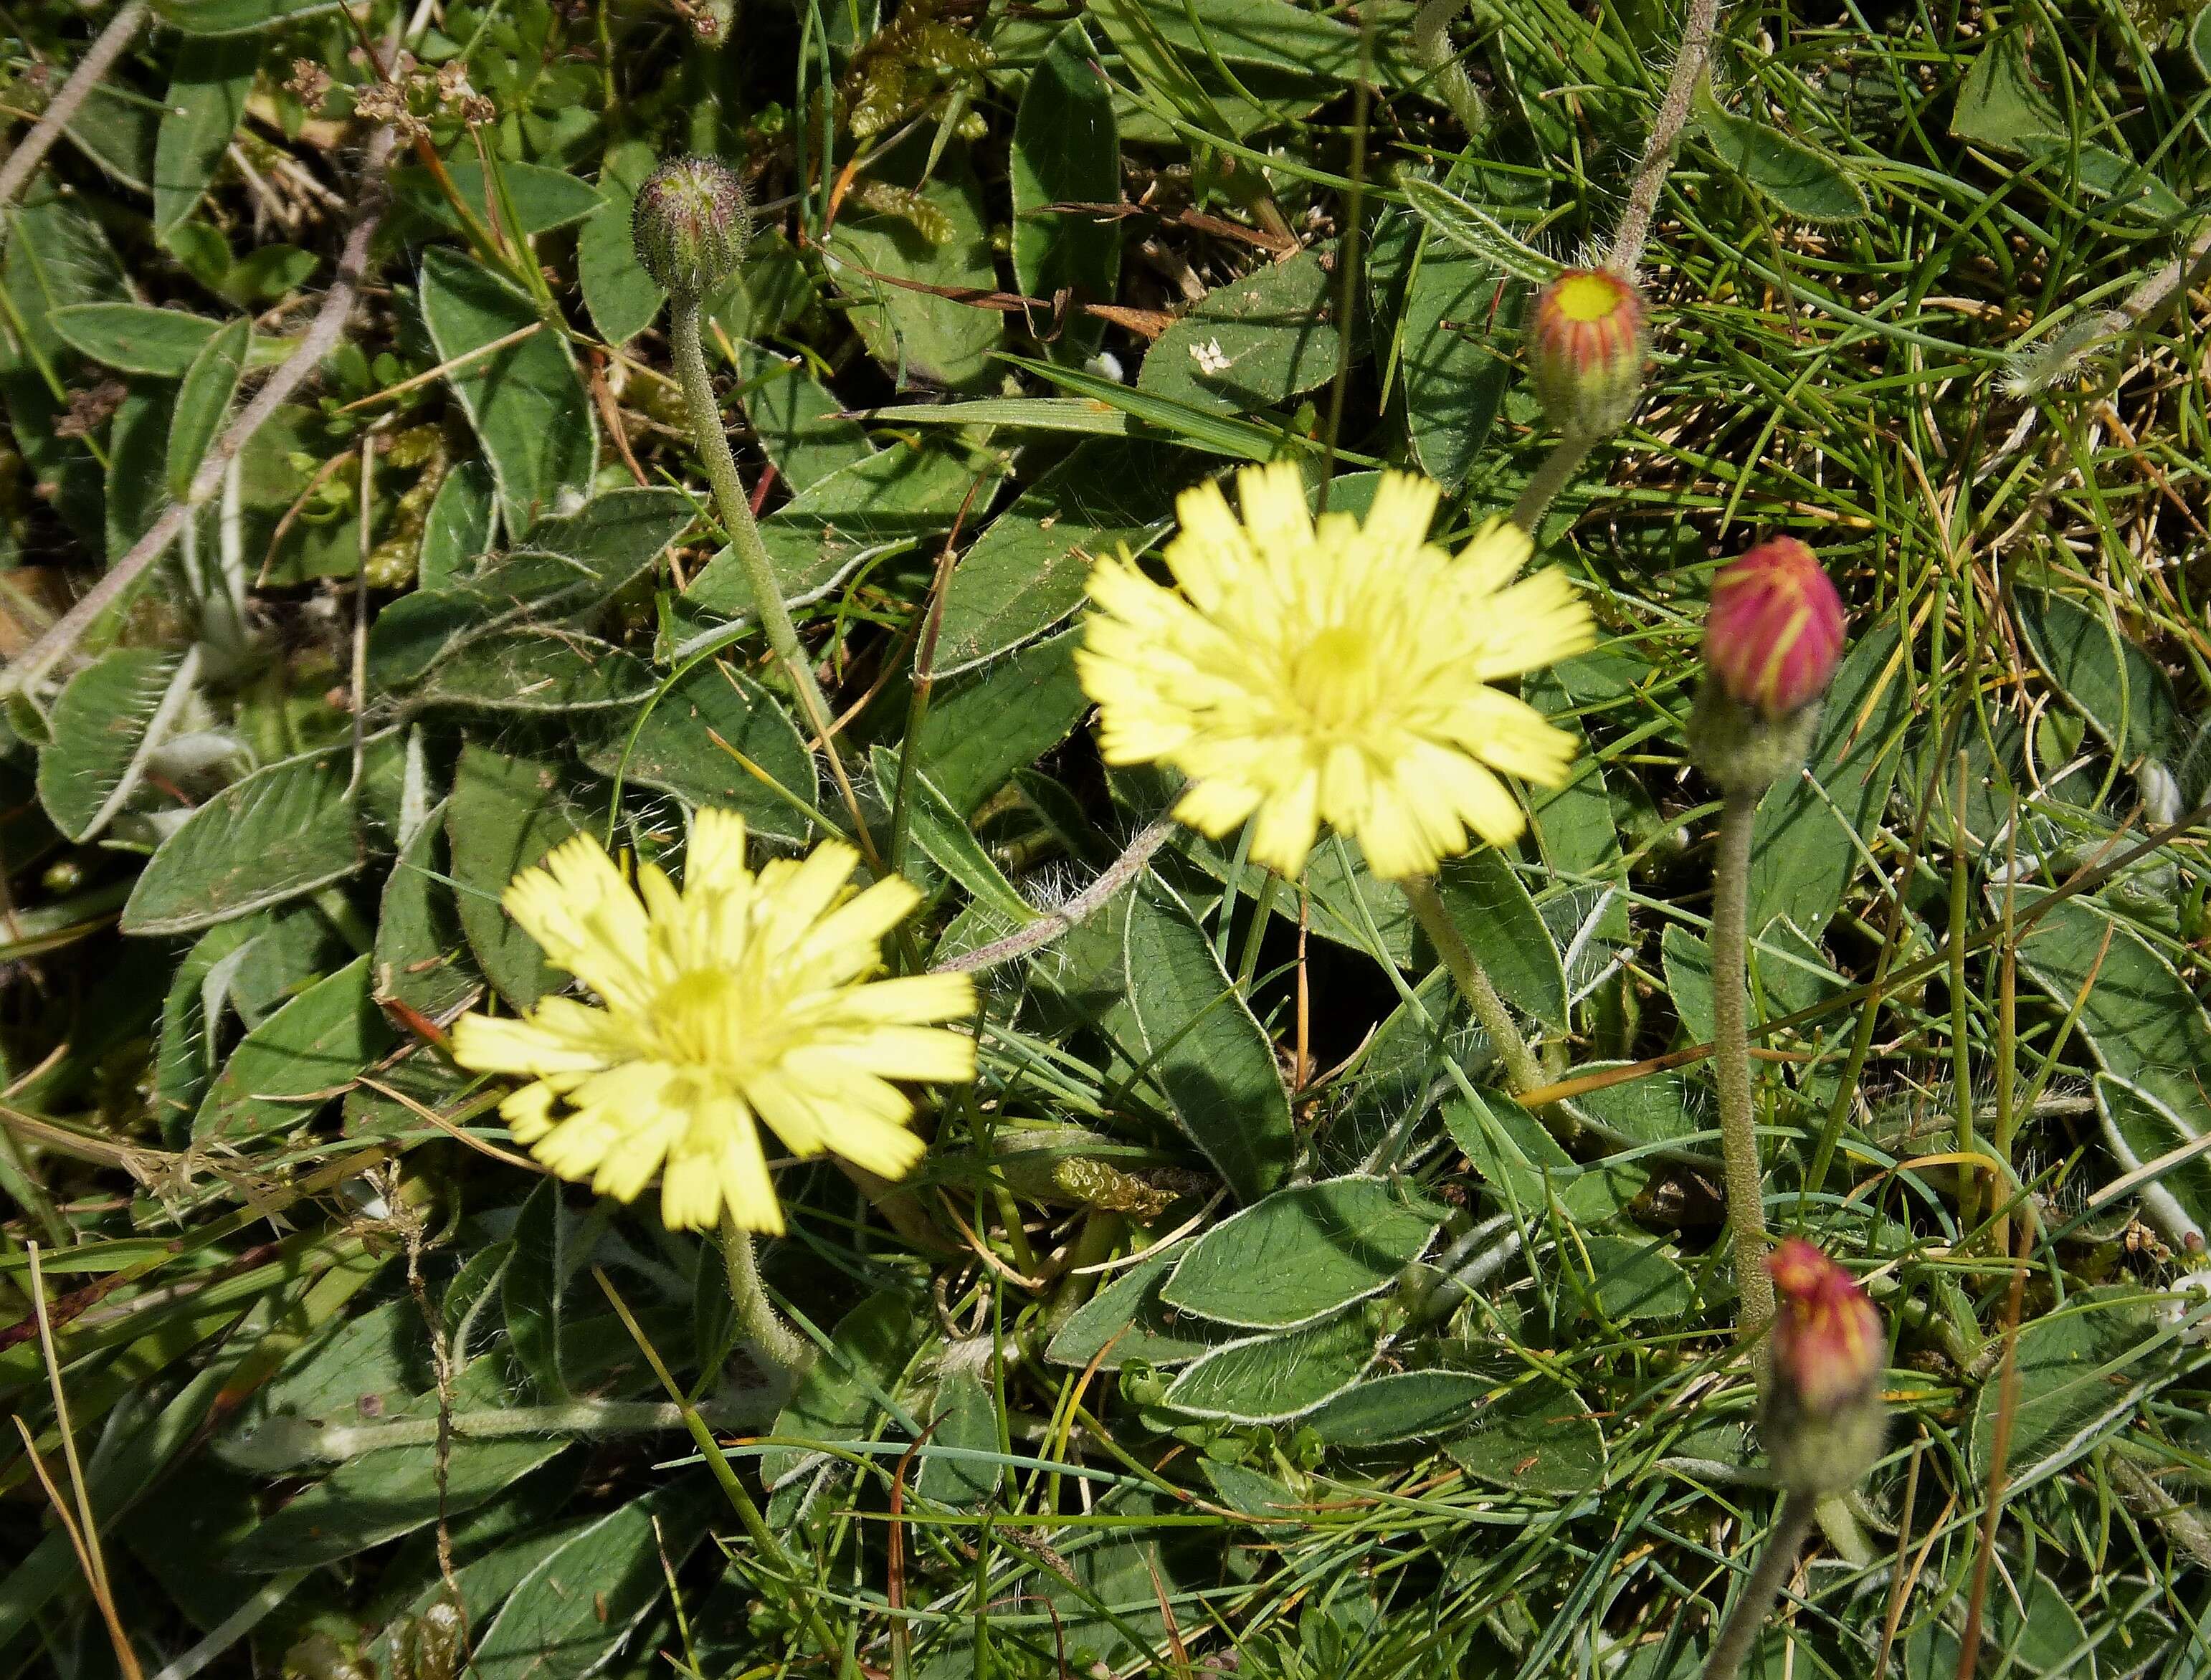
x,y
691,224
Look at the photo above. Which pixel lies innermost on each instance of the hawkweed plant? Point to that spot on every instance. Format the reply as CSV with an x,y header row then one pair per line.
x,y
1772,638
1340,673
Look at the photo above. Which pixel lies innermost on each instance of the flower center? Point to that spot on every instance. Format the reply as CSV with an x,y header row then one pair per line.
x,y
710,1018
1334,678
1587,297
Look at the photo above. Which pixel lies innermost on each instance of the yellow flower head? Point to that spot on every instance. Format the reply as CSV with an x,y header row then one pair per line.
x,y
745,997
1335,672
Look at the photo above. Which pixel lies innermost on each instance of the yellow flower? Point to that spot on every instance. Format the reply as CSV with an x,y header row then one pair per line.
x,y
746,998
1338,672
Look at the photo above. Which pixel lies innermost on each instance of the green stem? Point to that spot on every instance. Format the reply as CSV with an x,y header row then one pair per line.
x,y
1565,457
1774,1567
771,1338
1522,1070
704,411
1746,1185
725,1477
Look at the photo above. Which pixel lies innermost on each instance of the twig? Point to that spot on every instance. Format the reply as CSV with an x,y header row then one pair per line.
x,y
1689,71
23,162
320,339
1047,928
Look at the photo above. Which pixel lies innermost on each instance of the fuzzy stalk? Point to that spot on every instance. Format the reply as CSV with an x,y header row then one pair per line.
x,y
1745,1180
1564,460
1774,1566
1522,1070
704,411
770,1336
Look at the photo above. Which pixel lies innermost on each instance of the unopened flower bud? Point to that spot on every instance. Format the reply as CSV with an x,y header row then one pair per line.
x,y
691,224
1774,634
1586,350
1772,639
1823,1422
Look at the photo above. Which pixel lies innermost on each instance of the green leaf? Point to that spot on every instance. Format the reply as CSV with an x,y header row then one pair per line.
x,y
1300,1254
1126,1323
422,957
2079,1369
2143,1026
186,1050
685,744
208,90
133,337
1476,232
527,402
279,832
2101,674
533,1294
1400,1405
543,199
892,499
56,255
2199,42
942,837
856,1375
235,17
622,298
203,401
1500,923
1508,1147
967,1420
1653,1109
571,1615
570,567
535,671
1454,331
1629,1278
119,131
921,334
1026,571
983,728
113,713
137,461
1801,180
1252,344
1804,844
1067,150
381,1495
1283,1375
2001,104
799,421
505,813
296,1061
457,529
1539,1439
1204,1048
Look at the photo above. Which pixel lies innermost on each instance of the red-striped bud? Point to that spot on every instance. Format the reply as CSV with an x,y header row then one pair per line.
x,y
1823,1422
1586,350
1774,634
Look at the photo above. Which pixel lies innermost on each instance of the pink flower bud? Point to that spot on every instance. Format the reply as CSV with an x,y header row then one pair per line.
x,y
1586,350
1774,634
1828,1345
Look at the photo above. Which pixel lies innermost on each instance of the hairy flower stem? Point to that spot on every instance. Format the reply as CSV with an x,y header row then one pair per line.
x,y
1774,1566
771,1338
1522,1070
1691,66
1565,459
702,409
1746,1185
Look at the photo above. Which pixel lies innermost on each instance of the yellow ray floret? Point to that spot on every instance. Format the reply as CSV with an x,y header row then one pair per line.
x,y
746,998
1335,672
